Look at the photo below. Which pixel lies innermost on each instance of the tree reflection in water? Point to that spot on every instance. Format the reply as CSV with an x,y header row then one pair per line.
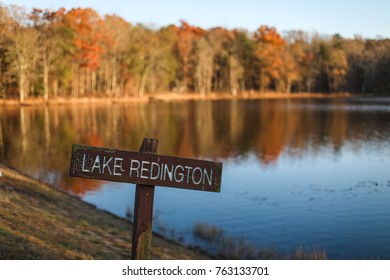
x,y
39,140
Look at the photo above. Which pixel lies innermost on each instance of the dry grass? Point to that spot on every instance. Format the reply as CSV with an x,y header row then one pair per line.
x,y
39,222
231,248
165,97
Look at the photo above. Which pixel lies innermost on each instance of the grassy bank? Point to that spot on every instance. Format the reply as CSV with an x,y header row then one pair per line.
x,y
39,222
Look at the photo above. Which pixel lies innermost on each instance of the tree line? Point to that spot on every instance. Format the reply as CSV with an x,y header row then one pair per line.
x,y
79,53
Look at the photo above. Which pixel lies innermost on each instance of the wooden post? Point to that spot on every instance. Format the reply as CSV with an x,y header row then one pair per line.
x,y
143,211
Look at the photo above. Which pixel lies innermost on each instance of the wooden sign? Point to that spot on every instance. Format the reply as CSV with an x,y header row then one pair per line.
x,y
146,169
143,168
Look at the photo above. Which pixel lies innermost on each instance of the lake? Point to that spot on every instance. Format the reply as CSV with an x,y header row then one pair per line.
x,y
297,173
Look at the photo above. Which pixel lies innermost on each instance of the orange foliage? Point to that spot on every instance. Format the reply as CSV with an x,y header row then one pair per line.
x,y
84,55
277,65
86,25
269,35
185,38
186,28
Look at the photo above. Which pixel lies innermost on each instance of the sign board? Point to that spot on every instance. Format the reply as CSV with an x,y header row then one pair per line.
x,y
145,168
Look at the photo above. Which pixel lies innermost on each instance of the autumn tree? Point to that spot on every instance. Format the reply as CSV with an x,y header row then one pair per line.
x,y
361,62
142,51
160,60
288,72
21,46
334,64
165,71
51,44
203,66
228,69
244,50
5,21
219,40
302,52
236,65
186,35
86,26
270,46
114,60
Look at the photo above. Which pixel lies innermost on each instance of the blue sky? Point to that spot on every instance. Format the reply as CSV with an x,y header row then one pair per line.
x,y
368,18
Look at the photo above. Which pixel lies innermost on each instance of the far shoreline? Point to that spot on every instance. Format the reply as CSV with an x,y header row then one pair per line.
x,y
165,97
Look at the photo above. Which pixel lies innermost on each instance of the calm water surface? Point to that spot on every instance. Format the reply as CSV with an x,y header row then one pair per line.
x,y
297,173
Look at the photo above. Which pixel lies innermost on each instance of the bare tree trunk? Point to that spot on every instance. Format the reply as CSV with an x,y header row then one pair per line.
x,y
114,78
55,87
46,78
262,80
209,80
141,88
88,81
22,84
288,86
105,78
75,81
93,81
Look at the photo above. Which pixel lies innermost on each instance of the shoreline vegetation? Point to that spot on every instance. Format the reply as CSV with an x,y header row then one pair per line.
x,y
165,97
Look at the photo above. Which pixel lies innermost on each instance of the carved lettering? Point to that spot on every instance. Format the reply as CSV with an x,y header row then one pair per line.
x,y
200,175
181,174
117,164
96,164
106,165
132,167
154,166
83,166
144,169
